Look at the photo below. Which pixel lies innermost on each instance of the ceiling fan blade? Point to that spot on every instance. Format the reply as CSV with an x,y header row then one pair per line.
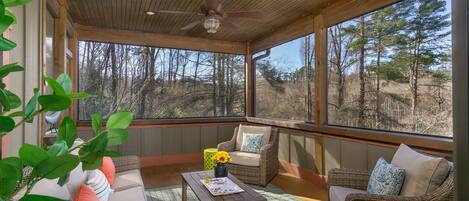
x,y
229,25
191,25
178,12
245,14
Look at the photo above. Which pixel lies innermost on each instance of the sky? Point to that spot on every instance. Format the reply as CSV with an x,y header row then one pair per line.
x,y
290,51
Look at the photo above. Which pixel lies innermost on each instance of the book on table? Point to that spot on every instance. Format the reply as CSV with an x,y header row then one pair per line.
x,y
221,186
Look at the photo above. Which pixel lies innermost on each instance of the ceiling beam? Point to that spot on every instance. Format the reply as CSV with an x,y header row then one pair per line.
x,y
332,13
343,10
98,34
286,33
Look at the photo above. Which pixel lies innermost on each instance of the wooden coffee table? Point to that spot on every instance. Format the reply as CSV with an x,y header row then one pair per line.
x,y
193,180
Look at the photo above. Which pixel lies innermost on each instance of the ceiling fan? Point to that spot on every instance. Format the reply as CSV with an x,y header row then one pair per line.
x,y
214,15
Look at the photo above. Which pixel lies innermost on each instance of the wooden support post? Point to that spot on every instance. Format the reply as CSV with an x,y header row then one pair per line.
x,y
320,46
460,50
60,58
73,72
250,83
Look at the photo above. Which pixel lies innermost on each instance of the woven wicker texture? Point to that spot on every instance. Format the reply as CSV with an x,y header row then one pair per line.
x,y
268,168
357,179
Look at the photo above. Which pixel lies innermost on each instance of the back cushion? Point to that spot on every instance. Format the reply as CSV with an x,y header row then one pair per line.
x,y
264,130
424,173
98,183
50,188
85,194
77,176
108,169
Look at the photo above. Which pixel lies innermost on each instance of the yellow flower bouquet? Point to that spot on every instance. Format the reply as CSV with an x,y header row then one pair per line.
x,y
221,159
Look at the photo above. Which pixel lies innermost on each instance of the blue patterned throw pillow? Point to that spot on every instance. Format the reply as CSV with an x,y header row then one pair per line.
x,y
251,143
386,179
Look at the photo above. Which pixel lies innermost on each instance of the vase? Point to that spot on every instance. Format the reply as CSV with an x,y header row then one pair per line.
x,y
221,170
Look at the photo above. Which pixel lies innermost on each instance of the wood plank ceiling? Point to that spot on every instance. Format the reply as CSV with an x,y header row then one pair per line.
x,y
130,15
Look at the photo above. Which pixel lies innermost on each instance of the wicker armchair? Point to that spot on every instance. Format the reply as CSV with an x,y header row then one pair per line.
x,y
357,179
268,164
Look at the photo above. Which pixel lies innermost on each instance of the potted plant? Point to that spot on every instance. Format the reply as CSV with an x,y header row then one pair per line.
x,y
18,175
221,160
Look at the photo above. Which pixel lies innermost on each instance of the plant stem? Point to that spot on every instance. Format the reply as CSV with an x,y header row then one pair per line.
x,y
24,120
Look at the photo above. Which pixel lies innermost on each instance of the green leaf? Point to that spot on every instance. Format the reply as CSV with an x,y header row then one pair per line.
x,y
93,162
9,68
15,101
119,120
6,45
5,100
32,197
14,161
66,83
2,8
32,155
63,180
80,95
17,164
6,20
96,123
112,154
17,114
116,136
31,106
7,179
54,102
7,124
91,154
11,3
58,148
58,166
55,86
67,131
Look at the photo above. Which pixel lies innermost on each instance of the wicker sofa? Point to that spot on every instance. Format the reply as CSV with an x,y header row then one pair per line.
x,y
128,184
258,169
357,179
426,178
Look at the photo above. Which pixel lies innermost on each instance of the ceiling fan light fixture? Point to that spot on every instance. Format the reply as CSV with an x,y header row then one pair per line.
x,y
212,24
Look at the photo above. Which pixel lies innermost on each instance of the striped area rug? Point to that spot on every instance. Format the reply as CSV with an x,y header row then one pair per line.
x,y
270,192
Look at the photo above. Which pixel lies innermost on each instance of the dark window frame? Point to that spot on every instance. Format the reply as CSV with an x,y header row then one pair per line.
x,y
313,95
341,127
154,121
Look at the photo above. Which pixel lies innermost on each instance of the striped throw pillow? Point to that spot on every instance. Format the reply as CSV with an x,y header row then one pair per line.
x,y
98,183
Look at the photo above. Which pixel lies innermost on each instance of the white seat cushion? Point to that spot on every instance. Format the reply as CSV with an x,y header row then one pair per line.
x,y
127,179
131,194
51,188
337,193
424,173
76,178
244,158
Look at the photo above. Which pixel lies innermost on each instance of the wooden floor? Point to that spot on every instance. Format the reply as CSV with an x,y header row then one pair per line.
x,y
159,176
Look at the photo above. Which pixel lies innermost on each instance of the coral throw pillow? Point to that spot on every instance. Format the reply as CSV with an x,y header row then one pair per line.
x,y
85,194
108,169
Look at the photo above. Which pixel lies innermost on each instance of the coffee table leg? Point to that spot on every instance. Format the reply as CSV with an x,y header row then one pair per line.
x,y
184,190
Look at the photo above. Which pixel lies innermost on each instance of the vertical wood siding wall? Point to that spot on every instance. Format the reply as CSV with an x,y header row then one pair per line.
x,y
148,142
295,147
27,34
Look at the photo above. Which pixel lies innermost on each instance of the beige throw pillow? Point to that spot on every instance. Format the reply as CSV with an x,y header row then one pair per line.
x,y
264,130
423,173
